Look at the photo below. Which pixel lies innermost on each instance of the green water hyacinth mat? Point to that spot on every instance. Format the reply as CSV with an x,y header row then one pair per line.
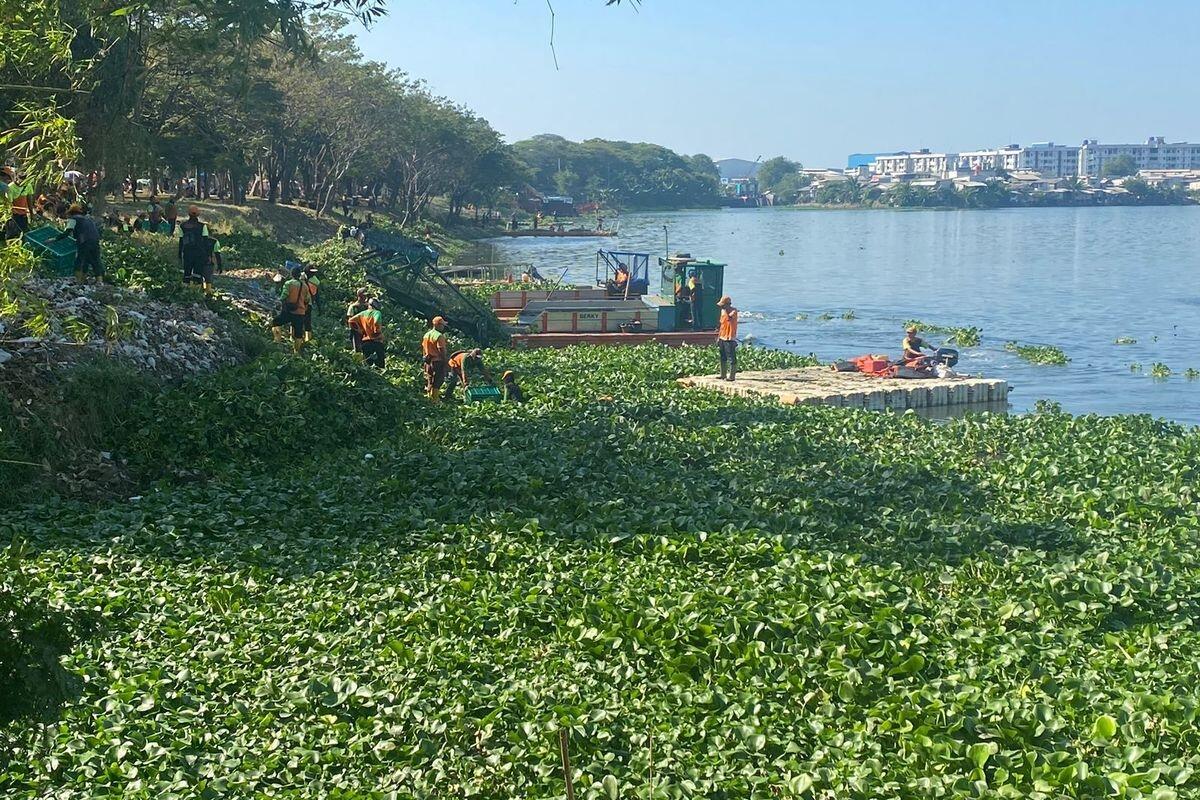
x,y
714,597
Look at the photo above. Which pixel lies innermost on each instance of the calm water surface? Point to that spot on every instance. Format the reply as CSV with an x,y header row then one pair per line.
x,y
1073,277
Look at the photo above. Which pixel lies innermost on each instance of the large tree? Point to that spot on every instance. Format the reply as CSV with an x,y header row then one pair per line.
x,y
773,171
1119,167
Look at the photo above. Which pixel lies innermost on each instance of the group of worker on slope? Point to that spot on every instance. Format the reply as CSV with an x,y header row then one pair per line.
x,y
444,371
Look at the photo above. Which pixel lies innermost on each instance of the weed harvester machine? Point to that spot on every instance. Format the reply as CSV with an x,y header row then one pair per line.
x,y
407,270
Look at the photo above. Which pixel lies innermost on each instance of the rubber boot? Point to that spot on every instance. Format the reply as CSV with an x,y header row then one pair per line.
x,y
732,370
723,371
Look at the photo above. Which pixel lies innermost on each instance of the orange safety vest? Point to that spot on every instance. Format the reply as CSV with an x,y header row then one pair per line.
x,y
456,360
433,345
729,321
297,297
622,277
368,326
20,206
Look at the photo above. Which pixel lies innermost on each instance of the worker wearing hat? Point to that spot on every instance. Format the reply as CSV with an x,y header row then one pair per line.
x,y
913,344
435,358
195,253
462,365
87,243
358,306
369,325
727,343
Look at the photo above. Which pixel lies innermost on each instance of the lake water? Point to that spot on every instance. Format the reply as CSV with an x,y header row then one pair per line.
x,y
1078,278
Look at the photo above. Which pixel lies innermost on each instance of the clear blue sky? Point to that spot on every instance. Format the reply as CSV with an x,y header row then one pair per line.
x,y
811,79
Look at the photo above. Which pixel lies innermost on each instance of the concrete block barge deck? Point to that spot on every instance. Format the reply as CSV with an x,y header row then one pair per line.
x,y
821,386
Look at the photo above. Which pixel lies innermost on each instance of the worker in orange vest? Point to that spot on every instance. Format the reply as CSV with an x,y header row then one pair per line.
x,y
369,325
727,338
294,298
461,365
433,354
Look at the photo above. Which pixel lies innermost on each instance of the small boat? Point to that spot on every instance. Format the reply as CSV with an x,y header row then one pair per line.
x,y
551,232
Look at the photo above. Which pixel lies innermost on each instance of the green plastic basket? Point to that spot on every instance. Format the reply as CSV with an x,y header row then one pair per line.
x,y
481,394
59,256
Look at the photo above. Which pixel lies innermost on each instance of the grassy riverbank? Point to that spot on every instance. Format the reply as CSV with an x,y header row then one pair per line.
x,y
355,594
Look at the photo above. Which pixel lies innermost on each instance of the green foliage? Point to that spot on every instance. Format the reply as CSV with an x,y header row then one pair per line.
x,y
144,262
848,315
1038,353
1191,373
774,171
246,250
628,175
1160,370
264,414
33,636
1123,340
961,336
338,265
840,193
1119,167
17,265
830,603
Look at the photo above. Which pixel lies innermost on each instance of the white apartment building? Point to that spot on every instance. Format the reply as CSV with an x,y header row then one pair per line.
x,y
1050,159
921,162
1155,154
1006,158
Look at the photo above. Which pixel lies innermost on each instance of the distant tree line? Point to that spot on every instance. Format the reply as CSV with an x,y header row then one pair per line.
x,y
993,194
622,174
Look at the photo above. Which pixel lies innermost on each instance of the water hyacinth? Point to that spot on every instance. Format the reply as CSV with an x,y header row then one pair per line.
x,y
771,600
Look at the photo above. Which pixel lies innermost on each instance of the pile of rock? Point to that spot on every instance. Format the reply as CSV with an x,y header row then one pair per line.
x,y
172,339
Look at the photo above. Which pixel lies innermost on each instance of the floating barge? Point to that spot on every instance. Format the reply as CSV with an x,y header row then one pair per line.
x,y
621,308
821,386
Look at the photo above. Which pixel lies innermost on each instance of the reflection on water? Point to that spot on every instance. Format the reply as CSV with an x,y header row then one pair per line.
x,y
1078,278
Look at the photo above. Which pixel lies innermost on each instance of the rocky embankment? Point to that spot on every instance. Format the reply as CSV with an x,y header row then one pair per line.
x,y
63,321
